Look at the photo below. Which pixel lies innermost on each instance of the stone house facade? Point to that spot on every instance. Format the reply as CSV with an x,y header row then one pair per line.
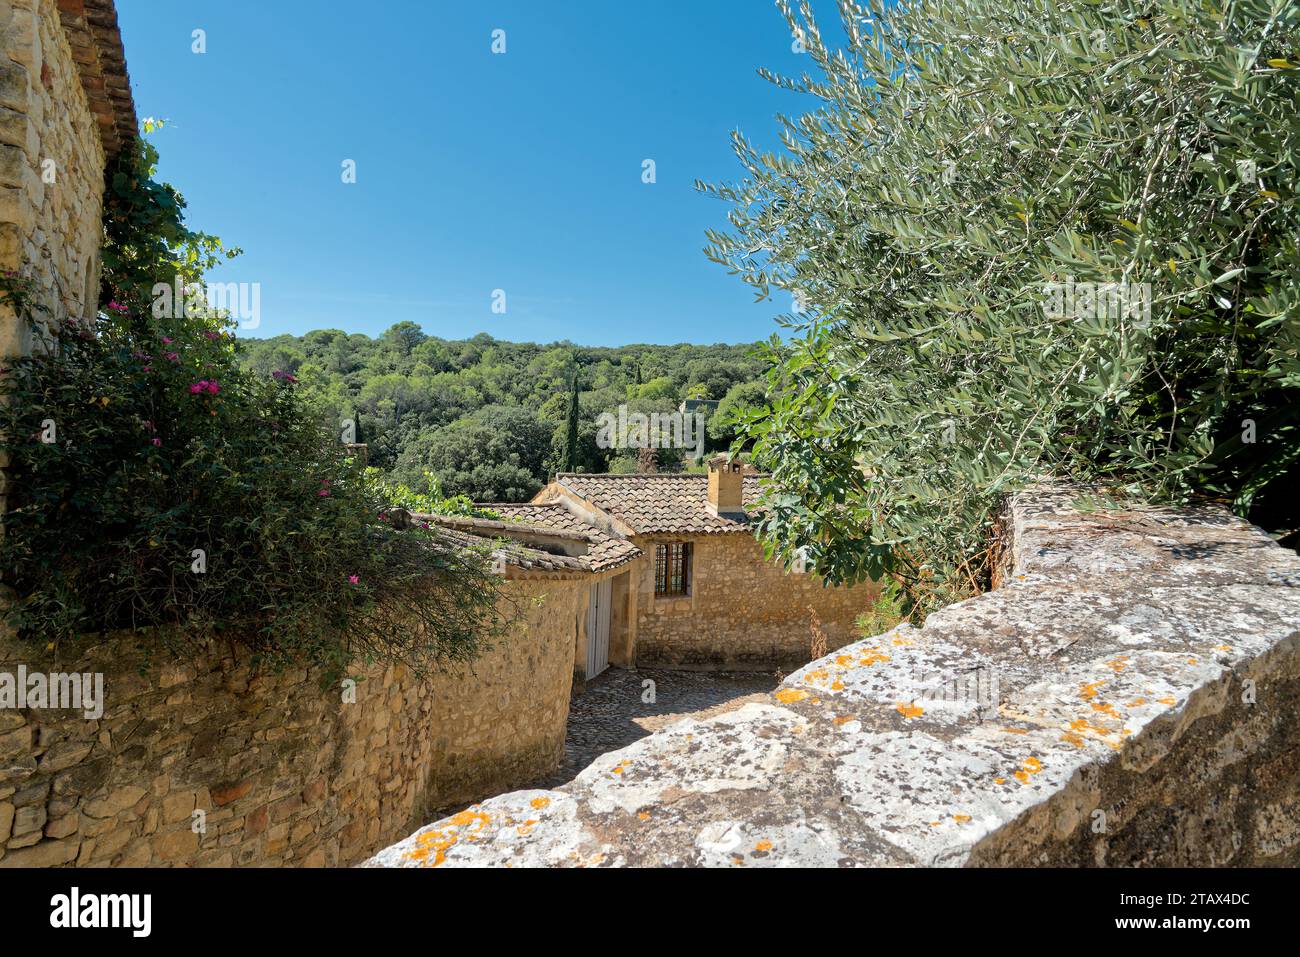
x,y
690,586
65,114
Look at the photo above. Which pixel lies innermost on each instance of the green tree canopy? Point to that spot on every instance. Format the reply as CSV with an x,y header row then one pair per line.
x,y
1027,237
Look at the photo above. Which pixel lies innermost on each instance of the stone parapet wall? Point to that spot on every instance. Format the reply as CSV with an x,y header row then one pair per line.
x,y
743,613
1127,698
284,772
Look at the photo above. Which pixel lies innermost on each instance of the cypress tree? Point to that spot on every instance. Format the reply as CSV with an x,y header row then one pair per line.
x,y
571,440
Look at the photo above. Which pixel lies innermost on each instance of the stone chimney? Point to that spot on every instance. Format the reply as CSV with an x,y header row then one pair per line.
x,y
726,482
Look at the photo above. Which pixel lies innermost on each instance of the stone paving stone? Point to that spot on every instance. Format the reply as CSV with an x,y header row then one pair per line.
x,y
610,714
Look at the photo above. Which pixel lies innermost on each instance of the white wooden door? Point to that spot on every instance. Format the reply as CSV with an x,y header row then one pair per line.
x,y
598,628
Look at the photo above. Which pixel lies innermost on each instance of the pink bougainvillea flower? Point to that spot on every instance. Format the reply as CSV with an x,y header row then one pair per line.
x,y
212,336
166,340
156,440
198,387
213,388
171,357
323,493
354,580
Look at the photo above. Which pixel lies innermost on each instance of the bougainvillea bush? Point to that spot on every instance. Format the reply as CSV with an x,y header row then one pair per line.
x,y
153,482
1025,237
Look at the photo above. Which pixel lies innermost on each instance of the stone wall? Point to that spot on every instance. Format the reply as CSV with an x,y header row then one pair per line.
x,y
1127,698
743,613
285,773
51,168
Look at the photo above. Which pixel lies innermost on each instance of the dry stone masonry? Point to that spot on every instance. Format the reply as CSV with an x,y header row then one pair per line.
x,y
1126,697
744,611
279,770
65,109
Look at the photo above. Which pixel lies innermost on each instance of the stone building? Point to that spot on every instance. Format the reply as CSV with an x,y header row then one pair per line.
x,y
690,587
65,114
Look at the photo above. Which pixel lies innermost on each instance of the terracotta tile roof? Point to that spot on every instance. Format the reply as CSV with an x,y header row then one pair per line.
x,y
660,502
92,32
605,551
521,556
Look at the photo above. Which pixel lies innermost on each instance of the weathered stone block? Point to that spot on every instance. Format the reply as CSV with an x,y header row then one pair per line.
x,y
44,854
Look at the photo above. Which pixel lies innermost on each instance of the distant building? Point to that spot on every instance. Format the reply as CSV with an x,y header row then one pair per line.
x,y
690,587
706,406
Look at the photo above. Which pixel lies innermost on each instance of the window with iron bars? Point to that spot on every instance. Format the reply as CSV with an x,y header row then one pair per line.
x,y
672,569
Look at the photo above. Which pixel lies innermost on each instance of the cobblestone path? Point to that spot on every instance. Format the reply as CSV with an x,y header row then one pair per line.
x,y
610,714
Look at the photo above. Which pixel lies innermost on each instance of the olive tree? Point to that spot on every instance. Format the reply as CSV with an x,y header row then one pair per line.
x,y
1023,237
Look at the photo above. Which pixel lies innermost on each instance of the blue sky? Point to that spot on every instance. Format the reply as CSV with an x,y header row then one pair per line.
x,y
475,171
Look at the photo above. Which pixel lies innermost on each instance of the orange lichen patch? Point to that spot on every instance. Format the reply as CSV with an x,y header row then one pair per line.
x,y
1082,726
763,846
873,656
1069,737
1136,703
1118,665
523,829
1013,730
935,823
961,818
1106,709
819,675
909,710
1030,766
999,780
540,802
844,660
903,642
1089,690
643,815
437,843
790,695
1223,648
844,719
1191,661
469,816
837,685
620,767
1168,699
